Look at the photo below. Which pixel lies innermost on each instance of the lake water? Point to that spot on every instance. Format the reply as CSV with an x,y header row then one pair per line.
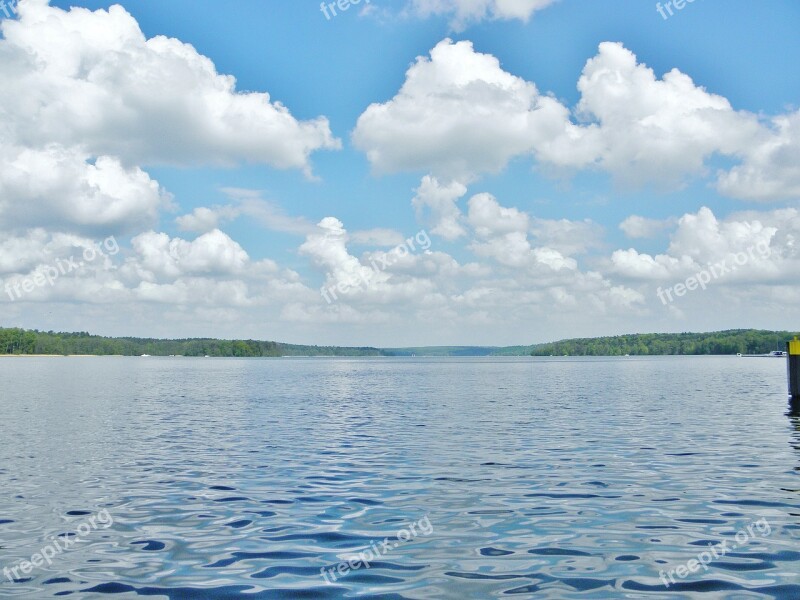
x,y
453,478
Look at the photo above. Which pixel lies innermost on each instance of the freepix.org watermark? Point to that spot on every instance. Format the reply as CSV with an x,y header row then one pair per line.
x,y
421,241
666,11
715,271
58,545
8,8
376,550
329,8
716,551
48,274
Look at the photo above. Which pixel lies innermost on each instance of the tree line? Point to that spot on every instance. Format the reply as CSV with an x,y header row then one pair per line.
x,y
744,341
20,341
734,341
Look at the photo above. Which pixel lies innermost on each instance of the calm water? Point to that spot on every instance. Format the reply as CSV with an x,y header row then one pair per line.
x,y
538,478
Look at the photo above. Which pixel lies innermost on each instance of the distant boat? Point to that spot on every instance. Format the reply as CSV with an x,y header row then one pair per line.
x,y
145,355
773,354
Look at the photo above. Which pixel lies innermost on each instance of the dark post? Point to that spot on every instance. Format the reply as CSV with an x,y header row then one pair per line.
x,y
793,360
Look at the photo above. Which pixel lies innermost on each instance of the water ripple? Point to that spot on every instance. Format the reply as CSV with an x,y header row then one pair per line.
x,y
249,479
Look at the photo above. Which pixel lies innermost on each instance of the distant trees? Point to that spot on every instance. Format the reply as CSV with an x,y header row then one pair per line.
x,y
744,341
17,341
20,341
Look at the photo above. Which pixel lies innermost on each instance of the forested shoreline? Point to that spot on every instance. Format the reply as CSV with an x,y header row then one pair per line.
x,y
20,341
14,341
735,341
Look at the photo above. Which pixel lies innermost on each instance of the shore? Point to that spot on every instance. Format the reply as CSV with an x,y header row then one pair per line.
x,y
56,355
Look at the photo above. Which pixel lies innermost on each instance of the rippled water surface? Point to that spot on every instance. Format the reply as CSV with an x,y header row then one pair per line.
x,y
463,478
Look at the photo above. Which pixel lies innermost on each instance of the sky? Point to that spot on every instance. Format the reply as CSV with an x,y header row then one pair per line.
x,y
399,172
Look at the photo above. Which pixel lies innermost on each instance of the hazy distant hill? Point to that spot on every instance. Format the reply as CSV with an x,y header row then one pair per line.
x,y
444,351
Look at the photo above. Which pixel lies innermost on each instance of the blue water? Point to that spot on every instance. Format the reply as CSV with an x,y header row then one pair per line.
x,y
539,478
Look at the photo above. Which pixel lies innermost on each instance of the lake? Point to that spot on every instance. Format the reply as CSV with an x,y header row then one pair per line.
x,y
659,477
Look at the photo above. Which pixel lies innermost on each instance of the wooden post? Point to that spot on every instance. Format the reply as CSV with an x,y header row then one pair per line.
x,y
793,365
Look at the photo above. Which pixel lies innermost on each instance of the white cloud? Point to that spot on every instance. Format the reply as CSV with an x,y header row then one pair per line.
x,y
377,237
435,202
488,218
160,257
503,236
37,246
195,290
568,237
634,265
457,115
405,278
465,11
92,80
637,227
646,129
245,203
701,239
203,220
58,187
327,249
786,223
519,283
771,170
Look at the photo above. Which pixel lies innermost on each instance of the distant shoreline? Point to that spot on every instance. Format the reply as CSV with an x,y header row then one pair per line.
x,y
17,342
60,355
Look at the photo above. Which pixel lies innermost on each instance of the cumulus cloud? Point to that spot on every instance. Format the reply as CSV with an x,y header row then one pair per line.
x,y
411,275
327,249
210,270
465,11
637,227
436,203
701,239
513,280
203,219
786,223
488,218
61,188
459,115
213,253
23,253
770,170
86,99
503,236
704,237
93,80
194,290
641,128
635,265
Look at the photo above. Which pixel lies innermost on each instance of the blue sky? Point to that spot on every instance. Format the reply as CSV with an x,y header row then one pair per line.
x,y
568,209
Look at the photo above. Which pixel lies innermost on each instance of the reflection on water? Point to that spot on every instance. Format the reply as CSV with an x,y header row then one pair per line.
x,y
546,478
